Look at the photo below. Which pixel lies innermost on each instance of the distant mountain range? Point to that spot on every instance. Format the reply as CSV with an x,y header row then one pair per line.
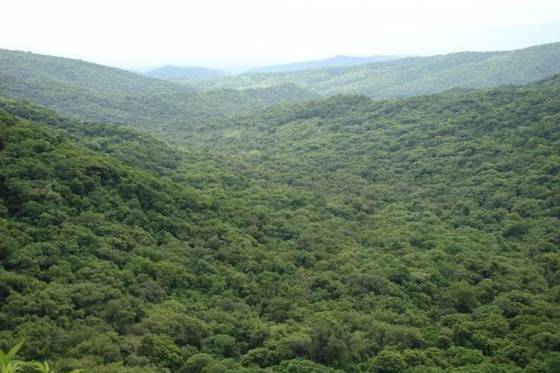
x,y
169,72
100,93
410,76
328,62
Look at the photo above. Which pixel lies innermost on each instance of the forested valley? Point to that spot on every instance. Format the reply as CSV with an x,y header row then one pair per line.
x,y
156,226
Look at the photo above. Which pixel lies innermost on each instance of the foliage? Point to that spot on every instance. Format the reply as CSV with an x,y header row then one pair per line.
x,y
415,235
9,363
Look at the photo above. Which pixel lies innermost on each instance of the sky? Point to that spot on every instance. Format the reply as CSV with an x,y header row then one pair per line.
x,y
139,34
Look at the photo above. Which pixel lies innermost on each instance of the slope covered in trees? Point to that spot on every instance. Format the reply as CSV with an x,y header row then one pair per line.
x,y
414,235
43,69
99,93
415,75
68,215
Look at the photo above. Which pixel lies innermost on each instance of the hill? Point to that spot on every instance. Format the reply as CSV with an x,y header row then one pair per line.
x,y
327,62
344,234
31,68
414,75
169,72
99,93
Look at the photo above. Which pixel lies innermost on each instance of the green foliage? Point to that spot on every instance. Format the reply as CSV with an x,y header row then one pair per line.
x,y
9,363
415,235
387,361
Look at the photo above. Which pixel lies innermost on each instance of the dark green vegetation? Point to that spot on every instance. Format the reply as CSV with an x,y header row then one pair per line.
x,y
412,235
169,72
413,76
99,93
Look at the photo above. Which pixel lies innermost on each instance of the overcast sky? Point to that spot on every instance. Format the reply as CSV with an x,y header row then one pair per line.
x,y
141,33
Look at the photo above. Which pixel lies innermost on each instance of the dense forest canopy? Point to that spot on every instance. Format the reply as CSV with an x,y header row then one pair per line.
x,y
148,226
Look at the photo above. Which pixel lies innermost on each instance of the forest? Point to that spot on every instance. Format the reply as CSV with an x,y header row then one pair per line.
x,y
153,226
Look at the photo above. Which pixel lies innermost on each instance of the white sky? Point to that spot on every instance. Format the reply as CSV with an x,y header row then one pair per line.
x,y
145,33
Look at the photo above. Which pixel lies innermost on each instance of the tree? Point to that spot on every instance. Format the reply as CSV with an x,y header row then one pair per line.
x,y
387,361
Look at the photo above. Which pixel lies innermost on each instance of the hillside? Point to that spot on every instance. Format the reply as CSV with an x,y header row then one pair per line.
x,y
30,68
414,75
345,234
170,72
99,93
327,62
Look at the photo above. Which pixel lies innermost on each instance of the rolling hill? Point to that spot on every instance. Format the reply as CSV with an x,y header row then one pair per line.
x,y
31,68
99,93
414,75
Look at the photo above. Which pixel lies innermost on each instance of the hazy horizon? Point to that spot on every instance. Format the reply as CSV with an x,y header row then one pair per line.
x,y
269,33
